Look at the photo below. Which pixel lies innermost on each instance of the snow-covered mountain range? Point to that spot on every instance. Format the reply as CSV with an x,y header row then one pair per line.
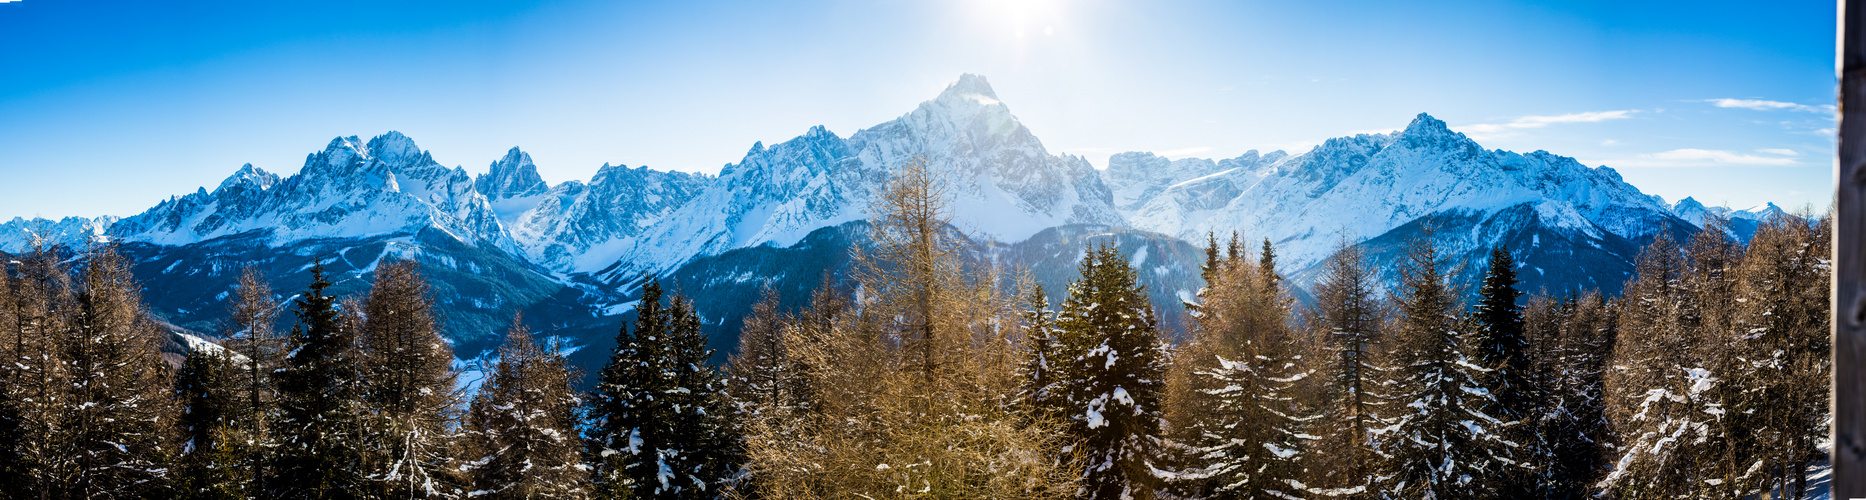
x,y
583,245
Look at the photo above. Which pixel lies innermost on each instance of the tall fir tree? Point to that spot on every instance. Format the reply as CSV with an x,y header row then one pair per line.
x,y
117,418
1443,444
660,413
252,335
1043,391
13,467
1570,339
1115,377
41,307
765,379
1781,353
209,467
1500,345
1240,415
521,431
408,385
1351,316
1666,390
320,450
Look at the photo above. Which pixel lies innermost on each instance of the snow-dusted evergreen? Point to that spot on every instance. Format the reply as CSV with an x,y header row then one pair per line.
x,y
1443,444
1115,379
1237,407
319,451
660,413
521,438
408,387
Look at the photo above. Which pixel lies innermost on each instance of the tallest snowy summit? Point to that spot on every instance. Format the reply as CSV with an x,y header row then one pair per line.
x,y
969,86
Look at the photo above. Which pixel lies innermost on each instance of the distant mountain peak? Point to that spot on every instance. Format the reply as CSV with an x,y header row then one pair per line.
x,y
513,176
250,177
969,85
1425,126
394,148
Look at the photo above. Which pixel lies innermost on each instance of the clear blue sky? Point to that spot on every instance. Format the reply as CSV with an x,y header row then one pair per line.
x,y
108,107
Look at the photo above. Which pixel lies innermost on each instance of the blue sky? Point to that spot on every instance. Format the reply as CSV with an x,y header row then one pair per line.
x,y
108,107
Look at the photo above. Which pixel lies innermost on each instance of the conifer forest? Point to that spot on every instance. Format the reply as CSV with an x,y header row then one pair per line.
x,y
924,372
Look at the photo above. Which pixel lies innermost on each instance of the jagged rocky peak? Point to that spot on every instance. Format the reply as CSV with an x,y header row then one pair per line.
x,y
397,150
968,105
1425,128
249,177
513,176
969,85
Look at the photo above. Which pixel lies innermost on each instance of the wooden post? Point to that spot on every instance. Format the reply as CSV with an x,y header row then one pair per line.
x,y
1849,292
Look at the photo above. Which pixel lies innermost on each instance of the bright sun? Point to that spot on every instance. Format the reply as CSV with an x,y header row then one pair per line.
x,y
1020,18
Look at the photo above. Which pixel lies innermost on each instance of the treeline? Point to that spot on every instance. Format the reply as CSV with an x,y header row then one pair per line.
x,y
929,373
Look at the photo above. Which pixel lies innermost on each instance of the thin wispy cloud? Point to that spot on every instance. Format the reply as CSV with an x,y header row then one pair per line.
x,y
1777,151
1704,158
1491,130
1767,105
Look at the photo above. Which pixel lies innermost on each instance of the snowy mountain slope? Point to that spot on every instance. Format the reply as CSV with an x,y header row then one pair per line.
x,y
1742,223
1137,177
1556,250
350,189
20,234
476,288
1352,189
1004,185
577,225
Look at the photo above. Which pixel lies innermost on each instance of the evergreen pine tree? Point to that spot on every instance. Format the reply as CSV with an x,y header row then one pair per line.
x,y
521,430
209,465
1043,392
660,428
1115,377
408,385
1570,339
1500,345
1443,444
319,455
703,451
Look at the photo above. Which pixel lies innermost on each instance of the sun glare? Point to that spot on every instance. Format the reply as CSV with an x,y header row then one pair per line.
x,y
1022,19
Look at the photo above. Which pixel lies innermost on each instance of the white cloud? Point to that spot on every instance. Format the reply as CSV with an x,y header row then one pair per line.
x,y
1702,158
1783,152
1609,142
1767,105
1486,130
